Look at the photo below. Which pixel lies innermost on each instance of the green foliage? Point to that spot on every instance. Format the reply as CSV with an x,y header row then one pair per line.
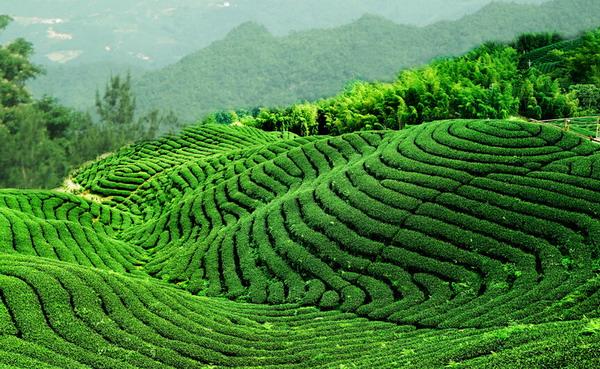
x,y
588,97
490,81
530,41
15,70
458,243
117,105
43,141
484,83
231,221
541,97
572,61
463,243
583,62
30,156
253,67
478,85
300,119
375,215
363,106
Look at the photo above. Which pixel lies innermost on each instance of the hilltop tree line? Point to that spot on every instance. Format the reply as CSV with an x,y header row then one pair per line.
x,y
41,140
493,81
252,67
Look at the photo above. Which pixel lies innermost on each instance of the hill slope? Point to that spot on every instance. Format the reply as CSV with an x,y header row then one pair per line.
x,y
250,67
456,243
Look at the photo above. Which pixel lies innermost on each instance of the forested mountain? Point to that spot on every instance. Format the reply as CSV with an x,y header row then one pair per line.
x,y
251,67
537,76
391,45
160,32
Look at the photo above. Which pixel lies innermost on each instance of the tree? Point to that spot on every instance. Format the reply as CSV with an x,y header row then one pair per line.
x,y
32,158
117,105
149,126
583,63
15,70
588,96
41,141
303,119
58,119
541,97
530,41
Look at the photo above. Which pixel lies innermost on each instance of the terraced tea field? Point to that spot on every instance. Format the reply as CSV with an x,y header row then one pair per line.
x,y
459,244
547,59
586,126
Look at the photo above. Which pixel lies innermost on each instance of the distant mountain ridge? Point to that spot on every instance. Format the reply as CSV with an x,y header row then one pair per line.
x,y
251,67
235,72
157,33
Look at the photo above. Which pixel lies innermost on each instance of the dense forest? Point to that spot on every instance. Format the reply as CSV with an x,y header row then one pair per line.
x,y
539,76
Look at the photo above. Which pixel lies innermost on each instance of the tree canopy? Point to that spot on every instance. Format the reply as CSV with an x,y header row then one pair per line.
x,y
491,81
117,105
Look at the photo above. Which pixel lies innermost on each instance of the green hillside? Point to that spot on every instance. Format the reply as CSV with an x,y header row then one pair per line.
x,y
537,76
461,243
251,67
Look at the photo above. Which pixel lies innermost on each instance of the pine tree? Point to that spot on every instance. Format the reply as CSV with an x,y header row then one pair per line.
x,y
117,105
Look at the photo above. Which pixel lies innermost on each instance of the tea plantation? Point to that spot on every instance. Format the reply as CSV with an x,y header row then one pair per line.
x,y
458,244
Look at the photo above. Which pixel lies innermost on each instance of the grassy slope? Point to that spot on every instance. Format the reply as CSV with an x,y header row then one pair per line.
x,y
458,243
